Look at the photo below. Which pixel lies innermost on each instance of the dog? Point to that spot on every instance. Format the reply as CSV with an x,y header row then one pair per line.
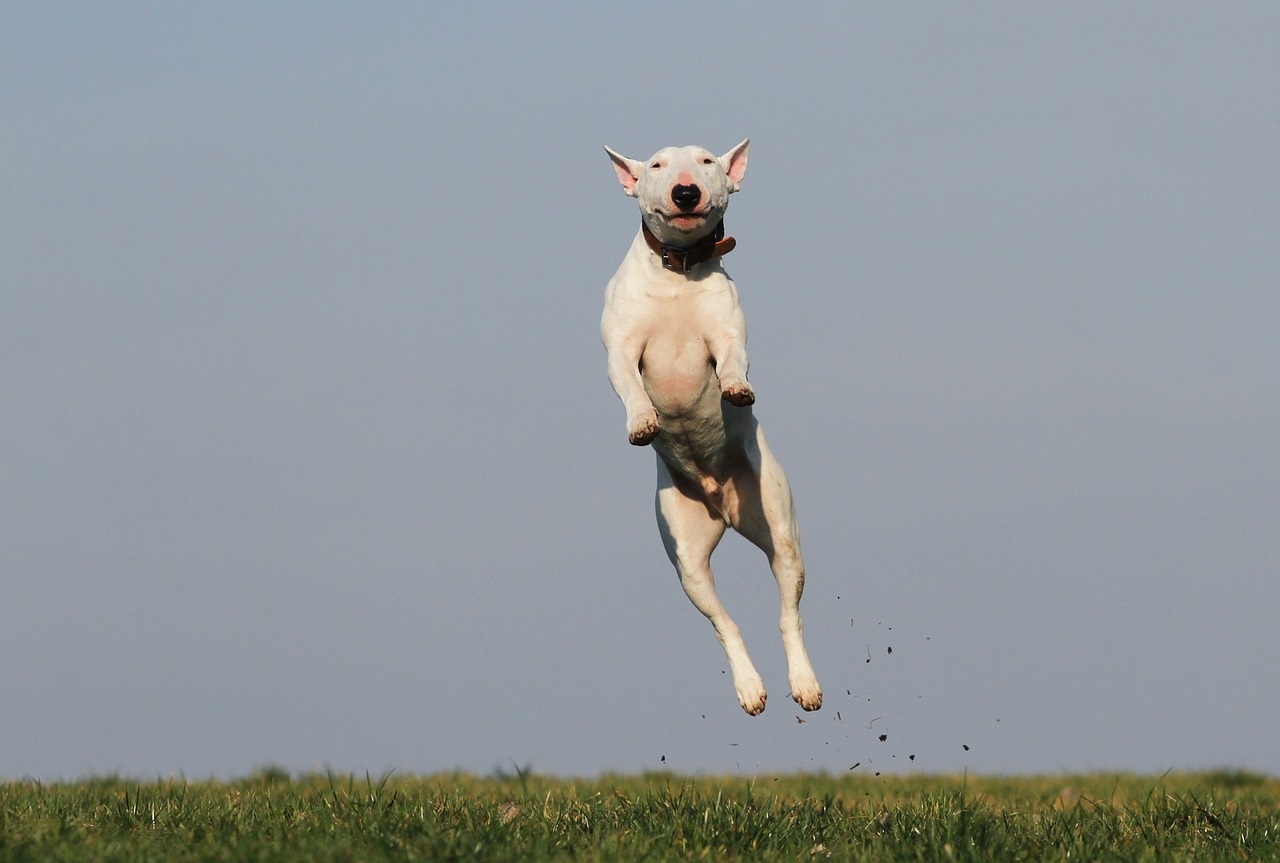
x,y
677,357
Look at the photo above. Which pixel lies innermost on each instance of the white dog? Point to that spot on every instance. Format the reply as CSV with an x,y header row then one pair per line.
x,y
676,339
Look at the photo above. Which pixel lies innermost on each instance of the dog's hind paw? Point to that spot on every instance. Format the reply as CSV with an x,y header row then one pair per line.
x,y
808,696
643,429
738,393
751,694
753,703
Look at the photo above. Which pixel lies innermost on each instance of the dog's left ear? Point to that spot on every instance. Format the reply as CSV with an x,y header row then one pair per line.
x,y
734,163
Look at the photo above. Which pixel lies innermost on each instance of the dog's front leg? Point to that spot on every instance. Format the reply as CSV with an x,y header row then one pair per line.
x,y
729,351
624,375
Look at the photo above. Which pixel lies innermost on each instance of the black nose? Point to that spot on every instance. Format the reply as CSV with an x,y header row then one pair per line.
x,y
686,197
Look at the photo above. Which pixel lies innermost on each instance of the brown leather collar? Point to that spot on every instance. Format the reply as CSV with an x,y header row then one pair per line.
x,y
680,260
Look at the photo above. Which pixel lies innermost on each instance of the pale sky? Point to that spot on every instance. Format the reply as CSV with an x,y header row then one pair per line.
x,y
309,458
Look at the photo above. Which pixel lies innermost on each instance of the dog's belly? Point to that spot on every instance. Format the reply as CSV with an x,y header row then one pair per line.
x,y
694,446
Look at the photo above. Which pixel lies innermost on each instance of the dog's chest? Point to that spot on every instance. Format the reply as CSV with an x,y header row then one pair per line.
x,y
676,364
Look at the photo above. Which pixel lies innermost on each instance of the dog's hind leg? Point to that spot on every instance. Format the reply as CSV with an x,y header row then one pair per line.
x,y
765,515
690,532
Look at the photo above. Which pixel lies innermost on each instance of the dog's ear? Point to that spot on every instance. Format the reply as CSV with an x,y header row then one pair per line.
x,y
628,171
734,163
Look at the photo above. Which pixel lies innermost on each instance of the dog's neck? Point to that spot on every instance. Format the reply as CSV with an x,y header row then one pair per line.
x,y
681,260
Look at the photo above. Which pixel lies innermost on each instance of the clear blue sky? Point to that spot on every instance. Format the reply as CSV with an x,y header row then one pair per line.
x,y
309,458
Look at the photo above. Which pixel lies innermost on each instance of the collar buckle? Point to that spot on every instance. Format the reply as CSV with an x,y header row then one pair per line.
x,y
668,254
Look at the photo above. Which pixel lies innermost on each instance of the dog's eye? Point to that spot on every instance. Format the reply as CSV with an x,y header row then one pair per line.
x,y
656,165
708,161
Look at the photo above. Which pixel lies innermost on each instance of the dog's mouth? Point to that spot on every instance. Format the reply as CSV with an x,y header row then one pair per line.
x,y
684,221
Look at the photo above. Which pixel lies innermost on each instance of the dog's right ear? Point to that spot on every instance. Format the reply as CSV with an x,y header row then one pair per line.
x,y
628,171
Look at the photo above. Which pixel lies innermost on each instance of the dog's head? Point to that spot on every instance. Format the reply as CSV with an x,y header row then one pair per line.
x,y
683,191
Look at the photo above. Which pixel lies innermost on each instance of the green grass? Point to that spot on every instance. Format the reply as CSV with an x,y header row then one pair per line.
x,y
273,817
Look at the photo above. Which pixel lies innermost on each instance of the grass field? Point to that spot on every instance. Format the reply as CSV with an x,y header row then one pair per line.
x,y
274,817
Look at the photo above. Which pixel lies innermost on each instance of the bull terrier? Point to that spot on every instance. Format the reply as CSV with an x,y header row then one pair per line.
x,y
676,340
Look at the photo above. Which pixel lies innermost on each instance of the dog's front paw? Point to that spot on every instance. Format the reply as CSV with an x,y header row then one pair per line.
x,y
643,429
738,393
